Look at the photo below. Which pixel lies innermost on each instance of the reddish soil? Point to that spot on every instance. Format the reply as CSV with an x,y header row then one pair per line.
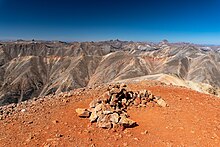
x,y
192,119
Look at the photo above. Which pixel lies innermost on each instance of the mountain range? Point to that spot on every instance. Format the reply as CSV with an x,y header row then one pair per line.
x,y
31,69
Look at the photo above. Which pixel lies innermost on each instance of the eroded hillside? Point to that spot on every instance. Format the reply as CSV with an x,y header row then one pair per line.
x,y
32,69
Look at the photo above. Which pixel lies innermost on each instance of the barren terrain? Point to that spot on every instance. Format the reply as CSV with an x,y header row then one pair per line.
x,y
31,69
192,119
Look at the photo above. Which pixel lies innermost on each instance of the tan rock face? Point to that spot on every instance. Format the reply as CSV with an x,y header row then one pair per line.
x,y
83,112
93,117
94,103
126,122
162,103
114,118
109,109
104,125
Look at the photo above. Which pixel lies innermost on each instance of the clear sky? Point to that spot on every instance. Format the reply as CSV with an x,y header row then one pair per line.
x,y
196,21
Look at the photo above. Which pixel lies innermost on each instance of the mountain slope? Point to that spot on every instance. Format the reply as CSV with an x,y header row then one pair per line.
x,y
32,69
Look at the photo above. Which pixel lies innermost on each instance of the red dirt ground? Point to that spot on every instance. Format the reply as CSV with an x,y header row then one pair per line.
x,y
192,119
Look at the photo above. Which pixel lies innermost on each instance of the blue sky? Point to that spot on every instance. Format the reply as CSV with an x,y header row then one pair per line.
x,y
196,21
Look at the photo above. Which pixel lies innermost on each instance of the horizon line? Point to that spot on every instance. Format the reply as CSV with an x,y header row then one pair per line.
x,y
99,40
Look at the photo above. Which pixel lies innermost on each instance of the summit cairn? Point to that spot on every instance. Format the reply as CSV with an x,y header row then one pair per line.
x,y
110,109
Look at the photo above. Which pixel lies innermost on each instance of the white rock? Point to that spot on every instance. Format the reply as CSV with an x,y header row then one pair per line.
x,y
23,110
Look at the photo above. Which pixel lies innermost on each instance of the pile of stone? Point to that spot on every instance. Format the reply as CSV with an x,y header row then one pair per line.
x,y
110,109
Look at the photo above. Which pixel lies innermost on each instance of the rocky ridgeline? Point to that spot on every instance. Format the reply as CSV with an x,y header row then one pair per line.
x,y
110,109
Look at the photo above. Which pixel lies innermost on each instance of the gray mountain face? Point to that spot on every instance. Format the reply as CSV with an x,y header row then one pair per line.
x,y
32,69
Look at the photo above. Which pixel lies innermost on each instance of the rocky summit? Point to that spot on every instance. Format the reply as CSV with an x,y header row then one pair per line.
x,y
110,109
192,118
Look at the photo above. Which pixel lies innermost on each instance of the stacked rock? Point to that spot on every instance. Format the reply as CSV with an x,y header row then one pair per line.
x,y
109,110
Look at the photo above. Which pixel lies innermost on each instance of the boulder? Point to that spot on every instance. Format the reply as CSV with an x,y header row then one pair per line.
x,y
124,100
112,103
81,112
93,117
124,103
143,102
114,90
106,97
161,103
106,112
137,101
114,100
107,107
126,122
106,118
129,95
100,116
143,93
151,96
98,107
114,118
104,125
123,85
94,103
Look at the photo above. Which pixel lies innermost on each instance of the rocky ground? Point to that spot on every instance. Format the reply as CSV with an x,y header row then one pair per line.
x,y
192,119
